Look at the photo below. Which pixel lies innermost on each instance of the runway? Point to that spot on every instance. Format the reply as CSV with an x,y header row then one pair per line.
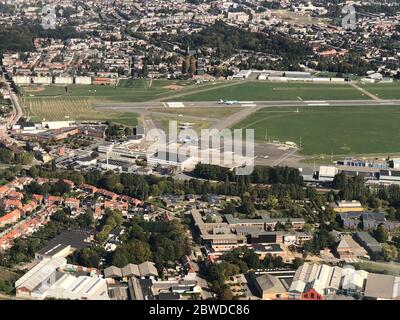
x,y
126,106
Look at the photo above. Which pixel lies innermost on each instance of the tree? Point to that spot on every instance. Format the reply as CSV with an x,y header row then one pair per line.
x,y
230,209
6,156
24,158
381,234
389,252
297,262
53,165
192,65
247,207
185,65
226,294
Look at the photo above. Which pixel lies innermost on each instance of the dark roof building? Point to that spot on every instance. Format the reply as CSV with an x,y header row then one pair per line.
x,y
369,243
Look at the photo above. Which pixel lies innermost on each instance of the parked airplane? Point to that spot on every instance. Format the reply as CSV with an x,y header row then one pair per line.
x,y
186,125
228,102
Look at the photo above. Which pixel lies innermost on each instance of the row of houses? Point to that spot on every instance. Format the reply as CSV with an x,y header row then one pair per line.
x,y
66,80
27,218
25,227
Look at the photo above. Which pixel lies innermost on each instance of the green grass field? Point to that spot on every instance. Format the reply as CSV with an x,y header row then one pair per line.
x,y
266,91
326,130
126,91
73,108
384,90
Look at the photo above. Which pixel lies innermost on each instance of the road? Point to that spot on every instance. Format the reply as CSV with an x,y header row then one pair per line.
x,y
16,114
365,92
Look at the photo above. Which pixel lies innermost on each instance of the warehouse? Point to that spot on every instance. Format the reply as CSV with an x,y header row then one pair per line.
x,y
64,244
182,162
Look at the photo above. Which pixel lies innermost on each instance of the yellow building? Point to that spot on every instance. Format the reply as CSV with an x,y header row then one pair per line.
x,y
348,206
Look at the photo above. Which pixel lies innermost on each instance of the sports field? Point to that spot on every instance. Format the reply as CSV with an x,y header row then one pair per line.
x,y
269,91
384,90
327,130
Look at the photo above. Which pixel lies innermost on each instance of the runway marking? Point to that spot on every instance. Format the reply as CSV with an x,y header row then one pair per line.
x,y
318,104
249,105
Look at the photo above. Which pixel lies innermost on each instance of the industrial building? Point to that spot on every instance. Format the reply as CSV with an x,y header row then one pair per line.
x,y
48,279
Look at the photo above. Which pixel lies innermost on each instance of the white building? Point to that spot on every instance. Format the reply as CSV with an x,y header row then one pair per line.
x,y
42,80
58,124
63,80
36,281
83,80
47,280
327,173
22,79
79,288
242,74
181,161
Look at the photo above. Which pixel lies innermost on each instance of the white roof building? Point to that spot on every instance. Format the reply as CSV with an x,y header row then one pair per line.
x,y
36,281
353,280
47,280
79,288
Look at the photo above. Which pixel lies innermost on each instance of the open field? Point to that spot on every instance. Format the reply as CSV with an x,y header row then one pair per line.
x,y
326,130
179,90
270,91
127,90
384,90
7,275
72,108
295,18
380,267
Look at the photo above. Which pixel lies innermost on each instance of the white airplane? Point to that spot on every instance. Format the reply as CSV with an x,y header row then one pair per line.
x,y
228,102
186,125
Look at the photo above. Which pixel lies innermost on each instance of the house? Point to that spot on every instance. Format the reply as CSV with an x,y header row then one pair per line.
x,y
10,218
7,204
14,195
4,190
29,207
311,294
72,203
348,249
54,200
38,198
89,188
